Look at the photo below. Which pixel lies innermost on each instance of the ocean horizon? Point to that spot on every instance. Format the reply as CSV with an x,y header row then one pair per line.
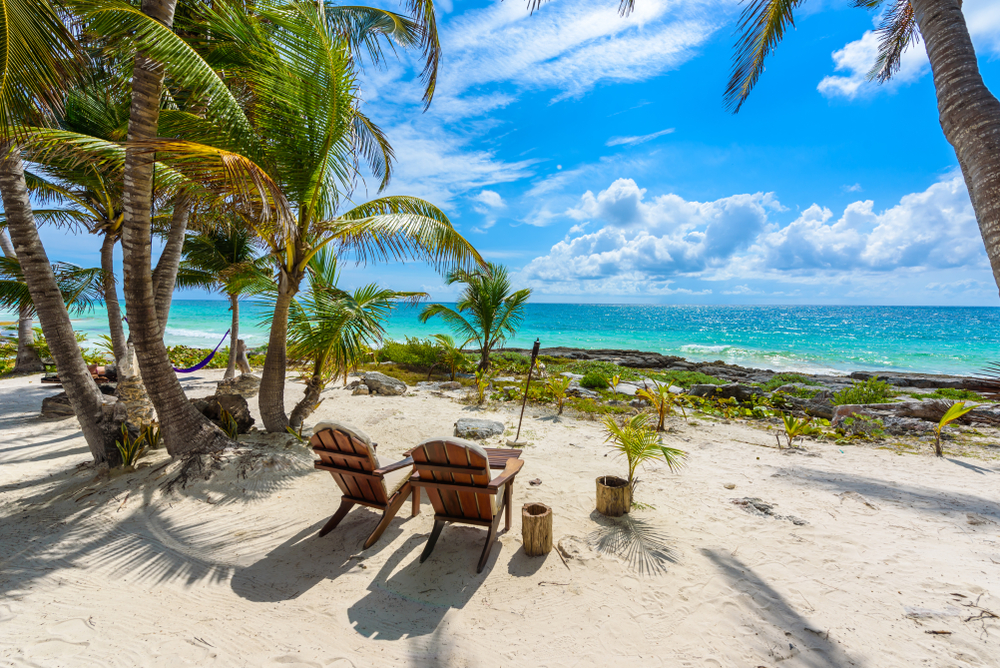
x,y
814,339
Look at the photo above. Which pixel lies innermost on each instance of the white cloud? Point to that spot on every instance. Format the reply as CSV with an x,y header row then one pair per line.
x,y
856,188
857,58
648,244
641,139
491,199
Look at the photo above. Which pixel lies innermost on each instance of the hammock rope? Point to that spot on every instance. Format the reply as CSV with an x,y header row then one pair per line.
x,y
201,364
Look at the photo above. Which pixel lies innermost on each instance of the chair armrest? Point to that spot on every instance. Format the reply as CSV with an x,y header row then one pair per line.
x,y
509,471
402,464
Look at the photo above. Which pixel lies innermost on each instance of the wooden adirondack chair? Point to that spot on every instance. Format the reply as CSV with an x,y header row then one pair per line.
x,y
349,455
456,475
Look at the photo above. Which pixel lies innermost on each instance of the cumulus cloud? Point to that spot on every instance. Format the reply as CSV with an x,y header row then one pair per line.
x,y
654,242
641,139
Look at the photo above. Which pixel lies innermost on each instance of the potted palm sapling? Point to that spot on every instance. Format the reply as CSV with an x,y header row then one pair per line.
x,y
639,443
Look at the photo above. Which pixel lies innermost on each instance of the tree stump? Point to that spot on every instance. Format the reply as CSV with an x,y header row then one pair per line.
x,y
614,496
536,529
241,357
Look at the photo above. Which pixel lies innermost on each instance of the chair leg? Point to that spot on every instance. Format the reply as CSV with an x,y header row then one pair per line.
x,y
508,498
395,503
416,502
491,538
435,532
341,513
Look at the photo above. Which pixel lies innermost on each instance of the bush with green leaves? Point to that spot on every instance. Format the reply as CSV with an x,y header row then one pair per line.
x,y
779,379
952,394
413,352
686,379
871,391
594,380
130,448
862,427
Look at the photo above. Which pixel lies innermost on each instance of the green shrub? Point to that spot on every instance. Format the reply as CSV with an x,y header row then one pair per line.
x,y
183,357
871,391
414,352
583,367
779,379
594,380
802,392
952,394
686,379
506,363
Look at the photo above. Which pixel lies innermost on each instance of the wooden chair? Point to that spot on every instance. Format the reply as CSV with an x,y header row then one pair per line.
x,y
456,475
349,455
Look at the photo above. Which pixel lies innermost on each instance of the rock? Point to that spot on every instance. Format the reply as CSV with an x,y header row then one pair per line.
x,y
581,392
572,376
756,506
572,547
628,389
57,407
379,383
212,407
738,391
820,406
505,379
729,485
536,482
360,390
246,385
478,428
450,385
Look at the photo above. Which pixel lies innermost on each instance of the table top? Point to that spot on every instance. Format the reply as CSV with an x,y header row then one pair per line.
x,y
498,456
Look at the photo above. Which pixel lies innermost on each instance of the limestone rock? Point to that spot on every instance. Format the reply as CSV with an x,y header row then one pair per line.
x,y
132,394
582,392
57,407
212,407
360,390
379,383
478,428
246,385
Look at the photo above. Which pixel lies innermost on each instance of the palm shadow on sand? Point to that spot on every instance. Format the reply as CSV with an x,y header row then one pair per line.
x,y
643,546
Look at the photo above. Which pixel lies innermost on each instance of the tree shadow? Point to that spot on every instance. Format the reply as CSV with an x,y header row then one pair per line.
x,y
774,609
412,600
916,497
304,560
972,467
644,547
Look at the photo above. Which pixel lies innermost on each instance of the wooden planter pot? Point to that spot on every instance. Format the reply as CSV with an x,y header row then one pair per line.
x,y
614,496
536,529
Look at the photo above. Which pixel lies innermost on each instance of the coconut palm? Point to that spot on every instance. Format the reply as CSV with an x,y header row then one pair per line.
x,y
40,57
452,355
26,359
638,443
334,329
493,311
225,259
297,69
969,112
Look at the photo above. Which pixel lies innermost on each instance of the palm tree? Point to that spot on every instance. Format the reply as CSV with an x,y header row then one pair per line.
x,y
224,258
451,354
40,57
27,359
79,287
969,112
494,312
298,72
334,329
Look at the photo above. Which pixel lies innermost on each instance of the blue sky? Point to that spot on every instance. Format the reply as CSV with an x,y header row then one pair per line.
x,y
593,155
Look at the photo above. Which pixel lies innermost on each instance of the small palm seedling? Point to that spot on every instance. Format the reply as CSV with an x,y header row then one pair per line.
x,y
151,433
954,412
130,449
661,399
482,382
558,387
451,354
794,428
229,424
639,444
615,379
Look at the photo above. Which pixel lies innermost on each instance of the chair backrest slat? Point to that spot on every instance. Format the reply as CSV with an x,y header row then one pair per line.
x,y
454,462
340,448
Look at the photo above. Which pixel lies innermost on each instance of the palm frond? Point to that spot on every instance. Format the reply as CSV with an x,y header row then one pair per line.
x,y
81,288
897,32
762,25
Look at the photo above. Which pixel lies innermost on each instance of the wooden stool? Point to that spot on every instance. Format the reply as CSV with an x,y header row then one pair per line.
x,y
536,529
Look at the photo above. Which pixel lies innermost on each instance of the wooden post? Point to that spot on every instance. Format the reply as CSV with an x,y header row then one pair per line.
x,y
614,496
536,529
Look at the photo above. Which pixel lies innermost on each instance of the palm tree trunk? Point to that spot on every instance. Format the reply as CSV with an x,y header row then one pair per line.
x,y
165,274
234,336
82,392
111,296
309,402
27,360
970,114
271,399
184,429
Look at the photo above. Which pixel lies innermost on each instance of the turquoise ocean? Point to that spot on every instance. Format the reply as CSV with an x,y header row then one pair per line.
x,y
818,339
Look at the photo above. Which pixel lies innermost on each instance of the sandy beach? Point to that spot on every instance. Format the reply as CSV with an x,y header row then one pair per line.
x,y
867,556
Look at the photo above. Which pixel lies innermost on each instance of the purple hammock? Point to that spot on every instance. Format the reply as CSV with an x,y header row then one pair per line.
x,y
201,364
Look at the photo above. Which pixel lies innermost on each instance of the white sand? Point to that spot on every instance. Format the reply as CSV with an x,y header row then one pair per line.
x,y
98,572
